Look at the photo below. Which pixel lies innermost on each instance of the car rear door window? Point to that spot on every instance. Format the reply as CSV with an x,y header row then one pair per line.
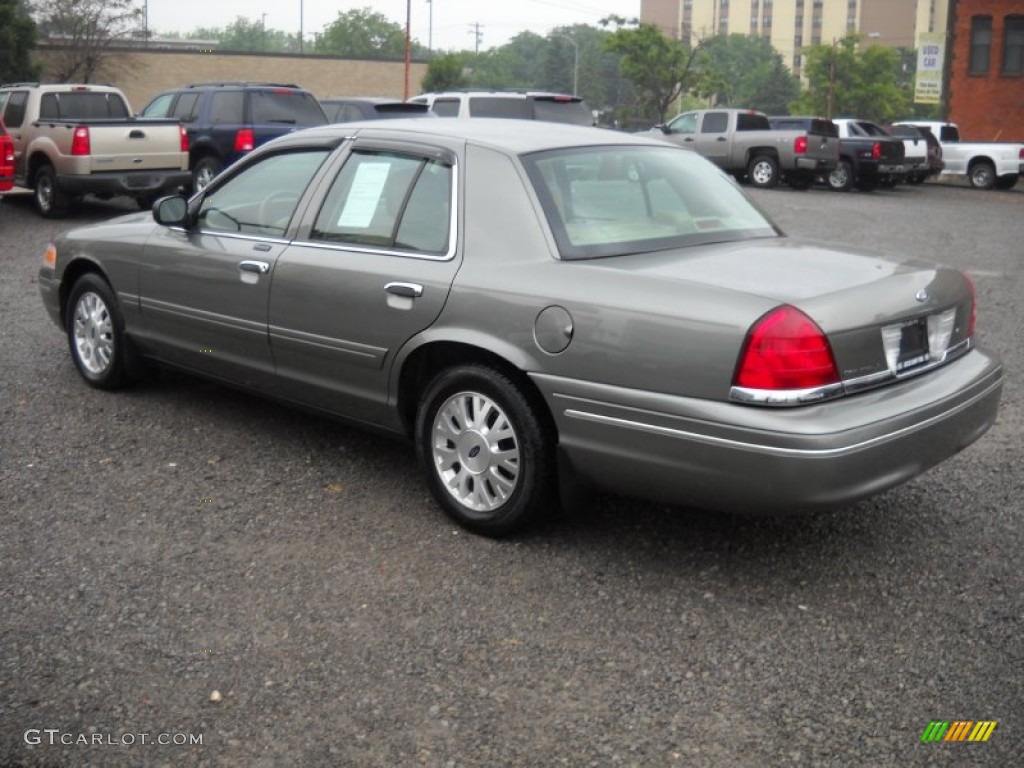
x,y
446,107
187,107
389,200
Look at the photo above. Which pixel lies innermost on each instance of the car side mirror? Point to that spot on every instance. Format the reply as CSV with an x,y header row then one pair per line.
x,y
170,211
663,128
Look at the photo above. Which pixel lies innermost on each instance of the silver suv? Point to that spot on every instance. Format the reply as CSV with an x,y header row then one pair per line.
x,y
517,105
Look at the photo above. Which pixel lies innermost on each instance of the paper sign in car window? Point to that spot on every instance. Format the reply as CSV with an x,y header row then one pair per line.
x,y
364,195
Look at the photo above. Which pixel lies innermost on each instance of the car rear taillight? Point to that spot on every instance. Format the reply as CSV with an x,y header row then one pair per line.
x,y
786,350
184,138
876,151
800,145
1020,155
244,140
80,142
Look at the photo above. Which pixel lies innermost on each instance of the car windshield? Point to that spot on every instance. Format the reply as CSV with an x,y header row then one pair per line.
x,y
615,200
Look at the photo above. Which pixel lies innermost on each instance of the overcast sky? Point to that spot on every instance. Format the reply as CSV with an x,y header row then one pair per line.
x,y
452,25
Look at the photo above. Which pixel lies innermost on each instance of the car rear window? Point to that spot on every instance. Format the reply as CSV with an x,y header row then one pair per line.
x,y
562,109
82,105
821,127
286,105
497,106
612,201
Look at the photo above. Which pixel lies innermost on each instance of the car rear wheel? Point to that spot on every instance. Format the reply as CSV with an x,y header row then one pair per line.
x,y
204,172
982,175
488,455
50,201
763,171
95,331
841,177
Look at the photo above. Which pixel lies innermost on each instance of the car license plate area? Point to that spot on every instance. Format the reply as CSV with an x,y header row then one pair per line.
x,y
906,344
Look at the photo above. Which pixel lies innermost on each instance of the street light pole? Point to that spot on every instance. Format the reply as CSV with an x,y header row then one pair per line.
x,y
575,62
263,34
408,44
430,30
301,31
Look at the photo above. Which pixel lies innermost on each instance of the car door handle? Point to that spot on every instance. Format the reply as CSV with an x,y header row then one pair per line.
x,y
136,134
409,290
259,267
721,138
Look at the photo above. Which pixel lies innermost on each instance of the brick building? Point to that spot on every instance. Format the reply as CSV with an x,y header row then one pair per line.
x,y
986,77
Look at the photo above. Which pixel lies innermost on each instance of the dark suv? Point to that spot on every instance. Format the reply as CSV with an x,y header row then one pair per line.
x,y
226,120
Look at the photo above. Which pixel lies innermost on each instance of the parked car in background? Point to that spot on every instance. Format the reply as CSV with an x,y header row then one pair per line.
x,y
518,105
744,143
868,157
933,165
915,152
226,120
6,160
487,289
985,164
76,139
350,109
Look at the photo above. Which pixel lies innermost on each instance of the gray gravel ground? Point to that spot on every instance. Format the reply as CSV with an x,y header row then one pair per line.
x,y
177,539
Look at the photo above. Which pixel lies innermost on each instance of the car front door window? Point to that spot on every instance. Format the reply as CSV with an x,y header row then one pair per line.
x,y
262,198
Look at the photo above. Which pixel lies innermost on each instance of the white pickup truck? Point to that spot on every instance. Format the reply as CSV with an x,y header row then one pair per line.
x,y
986,164
72,140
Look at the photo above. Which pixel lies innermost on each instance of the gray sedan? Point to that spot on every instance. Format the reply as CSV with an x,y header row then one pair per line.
x,y
536,305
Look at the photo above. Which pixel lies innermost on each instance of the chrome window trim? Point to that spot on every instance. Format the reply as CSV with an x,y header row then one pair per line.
x,y
791,397
771,450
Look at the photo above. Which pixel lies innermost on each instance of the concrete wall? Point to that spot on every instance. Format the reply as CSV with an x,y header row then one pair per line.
x,y
986,107
142,74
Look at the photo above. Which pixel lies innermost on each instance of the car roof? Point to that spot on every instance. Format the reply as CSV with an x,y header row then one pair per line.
x,y
512,136
360,100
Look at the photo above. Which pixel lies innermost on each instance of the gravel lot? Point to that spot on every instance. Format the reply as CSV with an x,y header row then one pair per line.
x,y
180,539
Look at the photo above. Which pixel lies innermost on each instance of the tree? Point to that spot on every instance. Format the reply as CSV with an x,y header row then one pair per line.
x,y
845,81
362,33
445,73
17,38
85,30
659,68
252,35
749,73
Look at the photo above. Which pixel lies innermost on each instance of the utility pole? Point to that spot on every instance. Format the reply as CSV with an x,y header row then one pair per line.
x,y
301,33
478,33
263,31
408,44
430,30
831,80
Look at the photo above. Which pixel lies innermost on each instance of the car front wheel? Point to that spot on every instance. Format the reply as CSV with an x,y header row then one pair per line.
x,y
95,333
487,452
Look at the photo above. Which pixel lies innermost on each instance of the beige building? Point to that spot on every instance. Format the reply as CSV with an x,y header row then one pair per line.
x,y
793,24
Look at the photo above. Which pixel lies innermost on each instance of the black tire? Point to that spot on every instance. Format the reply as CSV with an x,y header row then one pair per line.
x,y
455,427
95,331
204,171
982,175
841,177
50,200
1007,182
763,172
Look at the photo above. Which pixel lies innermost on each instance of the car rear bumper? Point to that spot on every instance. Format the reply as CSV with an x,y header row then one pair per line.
x,y
767,460
134,183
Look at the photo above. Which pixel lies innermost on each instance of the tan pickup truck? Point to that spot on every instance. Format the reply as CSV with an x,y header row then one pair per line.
x,y
72,140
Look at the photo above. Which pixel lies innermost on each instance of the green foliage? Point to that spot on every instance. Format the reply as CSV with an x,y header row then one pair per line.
x,y
844,81
747,72
362,33
660,69
17,39
445,73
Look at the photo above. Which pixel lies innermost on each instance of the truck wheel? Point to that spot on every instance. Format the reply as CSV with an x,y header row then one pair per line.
x,y
1007,182
763,171
841,177
982,175
204,171
51,202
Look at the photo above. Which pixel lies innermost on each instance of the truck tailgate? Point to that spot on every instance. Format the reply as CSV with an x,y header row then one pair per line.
x,y
146,146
